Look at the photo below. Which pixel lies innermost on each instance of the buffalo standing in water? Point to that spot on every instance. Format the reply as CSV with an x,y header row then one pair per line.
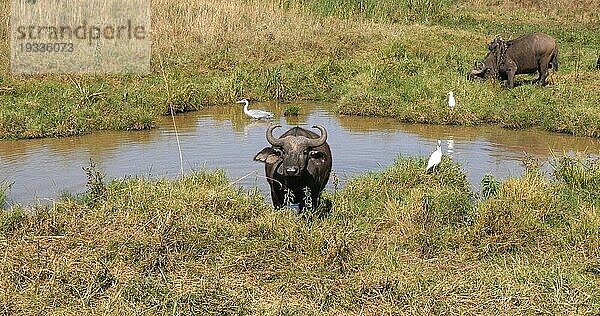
x,y
297,166
524,55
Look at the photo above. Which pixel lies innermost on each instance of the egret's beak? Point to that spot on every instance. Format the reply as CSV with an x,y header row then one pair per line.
x,y
239,102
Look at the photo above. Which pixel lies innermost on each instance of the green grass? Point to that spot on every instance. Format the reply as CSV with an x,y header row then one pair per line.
x,y
397,241
382,11
34,108
375,58
292,110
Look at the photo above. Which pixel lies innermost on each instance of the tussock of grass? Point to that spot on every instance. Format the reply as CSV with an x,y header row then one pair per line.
x,y
578,172
395,241
292,110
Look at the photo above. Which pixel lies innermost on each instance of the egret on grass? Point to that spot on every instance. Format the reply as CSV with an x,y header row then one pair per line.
x,y
255,114
451,100
435,158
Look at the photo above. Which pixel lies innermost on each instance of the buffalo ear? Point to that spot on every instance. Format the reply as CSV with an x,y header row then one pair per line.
x,y
267,155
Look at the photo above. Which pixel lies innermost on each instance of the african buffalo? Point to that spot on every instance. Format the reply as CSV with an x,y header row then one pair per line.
x,y
524,55
297,166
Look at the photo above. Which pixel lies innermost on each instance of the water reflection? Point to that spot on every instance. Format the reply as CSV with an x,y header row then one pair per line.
x,y
223,137
450,144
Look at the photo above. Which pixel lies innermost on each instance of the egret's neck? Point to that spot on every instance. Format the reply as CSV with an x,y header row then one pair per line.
x,y
245,106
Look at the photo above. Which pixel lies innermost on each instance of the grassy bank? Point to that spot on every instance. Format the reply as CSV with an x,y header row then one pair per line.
x,y
411,78
385,58
398,241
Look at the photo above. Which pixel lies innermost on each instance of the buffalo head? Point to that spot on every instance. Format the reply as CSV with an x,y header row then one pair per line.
x,y
297,166
490,64
295,151
480,70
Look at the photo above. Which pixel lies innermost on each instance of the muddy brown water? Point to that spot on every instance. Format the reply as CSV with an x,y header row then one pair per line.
x,y
224,138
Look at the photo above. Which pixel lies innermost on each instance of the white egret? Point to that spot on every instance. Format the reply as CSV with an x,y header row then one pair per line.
x,y
435,158
255,114
451,100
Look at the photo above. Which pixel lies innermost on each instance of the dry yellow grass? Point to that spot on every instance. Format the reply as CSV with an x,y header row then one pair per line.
x,y
192,32
259,30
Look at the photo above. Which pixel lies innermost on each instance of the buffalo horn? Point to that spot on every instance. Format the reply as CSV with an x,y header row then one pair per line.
x,y
475,73
316,142
272,140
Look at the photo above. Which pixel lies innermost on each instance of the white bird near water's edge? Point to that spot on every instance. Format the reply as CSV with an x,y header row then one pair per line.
x,y
255,114
451,100
435,158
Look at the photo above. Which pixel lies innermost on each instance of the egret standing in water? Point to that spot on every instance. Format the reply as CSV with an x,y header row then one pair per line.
x,y
255,114
451,100
435,158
